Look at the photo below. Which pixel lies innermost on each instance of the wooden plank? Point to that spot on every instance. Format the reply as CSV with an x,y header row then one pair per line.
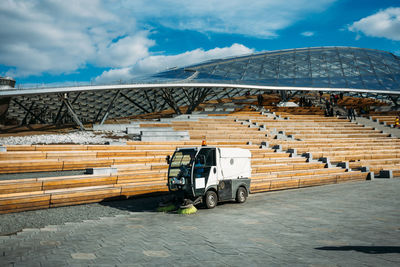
x,y
67,196
82,164
23,186
24,202
284,184
60,147
315,181
20,148
30,166
78,182
22,155
129,191
71,155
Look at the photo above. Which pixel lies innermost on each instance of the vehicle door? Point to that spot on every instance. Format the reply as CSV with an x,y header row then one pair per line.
x,y
205,170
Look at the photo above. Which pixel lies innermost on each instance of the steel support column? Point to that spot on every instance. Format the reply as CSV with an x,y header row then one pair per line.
x,y
197,98
73,114
73,101
30,112
110,106
27,113
134,103
169,98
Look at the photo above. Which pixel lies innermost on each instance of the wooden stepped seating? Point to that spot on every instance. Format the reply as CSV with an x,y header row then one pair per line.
x,y
341,135
305,181
350,142
131,180
17,160
64,197
127,175
335,141
388,119
395,168
363,147
374,162
104,159
293,173
358,103
286,167
268,161
205,130
356,155
295,122
70,190
228,136
313,110
344,130
131,145
50,183
350,148
137,168
190,143
142,169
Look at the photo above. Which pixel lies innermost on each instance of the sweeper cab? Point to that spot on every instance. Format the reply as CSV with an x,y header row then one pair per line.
x,y
209,175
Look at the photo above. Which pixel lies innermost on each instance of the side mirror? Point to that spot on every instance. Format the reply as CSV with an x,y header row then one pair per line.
x,y
168,159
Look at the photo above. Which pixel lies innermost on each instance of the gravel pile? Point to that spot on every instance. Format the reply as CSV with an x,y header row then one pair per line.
x,y
83,138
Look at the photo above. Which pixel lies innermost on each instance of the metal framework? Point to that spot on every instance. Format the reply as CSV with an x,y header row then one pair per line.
x,y
318,67
339,69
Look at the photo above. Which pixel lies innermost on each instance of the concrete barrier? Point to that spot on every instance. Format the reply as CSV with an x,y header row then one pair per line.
x,y
101,171
112,127
344,165
386,174
139,130
165,135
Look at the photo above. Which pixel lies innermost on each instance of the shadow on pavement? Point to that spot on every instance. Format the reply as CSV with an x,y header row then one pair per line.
x,y
143,203
364,249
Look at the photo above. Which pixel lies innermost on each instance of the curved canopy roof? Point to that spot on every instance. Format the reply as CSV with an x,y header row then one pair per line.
x,y
318,67
337,69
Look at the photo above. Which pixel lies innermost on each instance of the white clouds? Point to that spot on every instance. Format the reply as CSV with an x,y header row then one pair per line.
x,y
158,63
260,18
57,36
385,23
125,51
114,75
62,36
34,41
308,34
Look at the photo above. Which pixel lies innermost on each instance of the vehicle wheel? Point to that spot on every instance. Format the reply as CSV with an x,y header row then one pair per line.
x,y
241,195
211,199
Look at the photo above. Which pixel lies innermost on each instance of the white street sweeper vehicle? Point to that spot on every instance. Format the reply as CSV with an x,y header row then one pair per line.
x,y
209,175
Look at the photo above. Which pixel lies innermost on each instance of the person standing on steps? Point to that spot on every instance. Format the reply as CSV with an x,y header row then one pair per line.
x,y
260,100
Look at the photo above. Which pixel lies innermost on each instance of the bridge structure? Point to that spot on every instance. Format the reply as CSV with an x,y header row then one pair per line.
x,y
350,70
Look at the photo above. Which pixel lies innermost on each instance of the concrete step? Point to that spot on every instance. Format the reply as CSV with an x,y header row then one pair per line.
x,y
112,127
139,130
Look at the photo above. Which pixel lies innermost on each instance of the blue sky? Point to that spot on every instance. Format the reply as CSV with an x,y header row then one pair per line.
x,y
54,42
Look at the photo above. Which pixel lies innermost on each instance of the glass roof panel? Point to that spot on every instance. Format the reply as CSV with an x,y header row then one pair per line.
x,y
333,67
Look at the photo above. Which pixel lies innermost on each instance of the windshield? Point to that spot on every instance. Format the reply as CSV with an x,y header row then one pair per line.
x,y
183,157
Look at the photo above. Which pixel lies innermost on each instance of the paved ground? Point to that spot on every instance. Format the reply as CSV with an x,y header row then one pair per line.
x,y
352,224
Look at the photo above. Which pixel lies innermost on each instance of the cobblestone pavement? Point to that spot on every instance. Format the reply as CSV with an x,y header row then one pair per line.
x,y
351,224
